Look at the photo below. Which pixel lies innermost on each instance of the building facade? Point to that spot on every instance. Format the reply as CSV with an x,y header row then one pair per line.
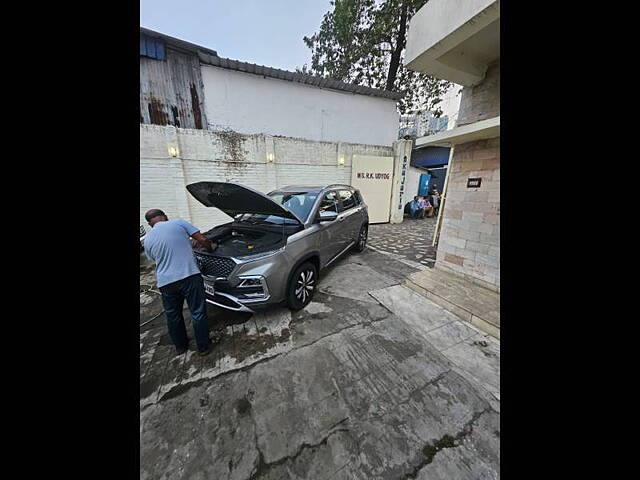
x,y
205,117
460,42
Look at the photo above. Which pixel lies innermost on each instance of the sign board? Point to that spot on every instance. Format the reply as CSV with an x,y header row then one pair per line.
x,y
474,182
373,176
403,179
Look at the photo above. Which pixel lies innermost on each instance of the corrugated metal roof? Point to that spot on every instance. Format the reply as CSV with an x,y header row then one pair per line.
x,y
177,42
210,57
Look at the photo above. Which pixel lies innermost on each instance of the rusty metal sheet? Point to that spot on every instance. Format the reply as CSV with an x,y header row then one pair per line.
x,y
171,91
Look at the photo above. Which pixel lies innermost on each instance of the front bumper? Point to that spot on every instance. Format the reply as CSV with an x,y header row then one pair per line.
x,y
230,298
249,284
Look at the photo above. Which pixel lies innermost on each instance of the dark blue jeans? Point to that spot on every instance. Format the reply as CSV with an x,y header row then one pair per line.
x,y
418,213
174,294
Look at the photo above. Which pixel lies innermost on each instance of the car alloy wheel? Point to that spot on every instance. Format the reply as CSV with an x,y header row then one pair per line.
x,y
302,286
362,239
305,285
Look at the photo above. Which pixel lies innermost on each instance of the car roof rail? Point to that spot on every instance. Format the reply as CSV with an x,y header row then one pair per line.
x,y
333,185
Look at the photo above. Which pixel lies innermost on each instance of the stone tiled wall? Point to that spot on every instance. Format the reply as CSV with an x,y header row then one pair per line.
x,y
482,101
469,242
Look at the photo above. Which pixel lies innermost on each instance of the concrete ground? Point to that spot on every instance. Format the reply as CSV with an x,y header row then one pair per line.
x,y
371,380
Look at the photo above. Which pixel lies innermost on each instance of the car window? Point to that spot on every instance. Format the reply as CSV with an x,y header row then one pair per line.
x,y
348,200
329,202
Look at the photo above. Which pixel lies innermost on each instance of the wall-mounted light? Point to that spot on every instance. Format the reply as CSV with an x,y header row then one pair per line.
x,y
341,160
173,151
270,157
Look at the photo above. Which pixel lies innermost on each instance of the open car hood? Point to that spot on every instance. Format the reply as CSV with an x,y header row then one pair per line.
x,y
234,199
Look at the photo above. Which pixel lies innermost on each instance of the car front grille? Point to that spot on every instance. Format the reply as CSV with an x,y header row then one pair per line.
x,y
218,267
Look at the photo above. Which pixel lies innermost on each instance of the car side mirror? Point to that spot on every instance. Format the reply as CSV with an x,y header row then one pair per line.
x,y
327,216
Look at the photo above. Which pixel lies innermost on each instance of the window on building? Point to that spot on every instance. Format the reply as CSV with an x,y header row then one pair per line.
x,y
348,200
152,48
329,202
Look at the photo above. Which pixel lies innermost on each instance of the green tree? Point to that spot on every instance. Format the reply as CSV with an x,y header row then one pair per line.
x,y
363,42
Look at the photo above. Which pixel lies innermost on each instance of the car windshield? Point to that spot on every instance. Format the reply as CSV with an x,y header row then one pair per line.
x,y
261,218
300,203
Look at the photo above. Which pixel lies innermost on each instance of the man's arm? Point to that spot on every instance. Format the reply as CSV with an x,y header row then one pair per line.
x,y
194,233
203,241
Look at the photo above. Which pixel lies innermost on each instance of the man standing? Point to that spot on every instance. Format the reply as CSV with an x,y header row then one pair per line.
x,y
168,245
435,197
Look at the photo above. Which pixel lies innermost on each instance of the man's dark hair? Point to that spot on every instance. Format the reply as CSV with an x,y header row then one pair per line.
x,y
155,212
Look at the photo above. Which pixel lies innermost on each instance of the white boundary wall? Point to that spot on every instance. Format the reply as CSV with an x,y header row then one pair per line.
x,y
245,159
255,104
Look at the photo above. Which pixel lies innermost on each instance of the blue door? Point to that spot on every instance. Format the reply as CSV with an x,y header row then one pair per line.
x,y
423,186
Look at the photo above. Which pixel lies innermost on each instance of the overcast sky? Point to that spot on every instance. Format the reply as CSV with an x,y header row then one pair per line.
x,y
266,32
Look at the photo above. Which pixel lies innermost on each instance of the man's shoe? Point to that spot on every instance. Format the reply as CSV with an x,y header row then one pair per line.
x,y
202,353
181,351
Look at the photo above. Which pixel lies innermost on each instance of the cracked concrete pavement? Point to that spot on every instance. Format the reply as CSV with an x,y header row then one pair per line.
x,y
370,380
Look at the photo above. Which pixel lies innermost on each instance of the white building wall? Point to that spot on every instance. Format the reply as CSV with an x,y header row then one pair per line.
x,y
253,104
228,157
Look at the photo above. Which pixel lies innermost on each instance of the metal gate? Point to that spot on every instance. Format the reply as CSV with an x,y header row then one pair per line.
x,y
373,176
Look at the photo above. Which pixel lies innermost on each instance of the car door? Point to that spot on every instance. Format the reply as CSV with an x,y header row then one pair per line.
x,y
331,234
350,216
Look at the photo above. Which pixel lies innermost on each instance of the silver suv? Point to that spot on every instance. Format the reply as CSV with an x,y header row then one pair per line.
x,y
276,245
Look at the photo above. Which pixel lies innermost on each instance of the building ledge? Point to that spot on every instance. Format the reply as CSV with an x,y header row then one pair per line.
x,y
489,128
455,41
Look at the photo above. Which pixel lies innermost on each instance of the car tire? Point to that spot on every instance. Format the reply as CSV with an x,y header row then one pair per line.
x,y
361,241
302,286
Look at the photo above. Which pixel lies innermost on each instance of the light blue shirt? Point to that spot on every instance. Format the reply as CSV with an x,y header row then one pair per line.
x,y
414,206
169,246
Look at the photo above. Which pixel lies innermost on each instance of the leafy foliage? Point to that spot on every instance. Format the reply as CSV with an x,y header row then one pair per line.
x,y
363,42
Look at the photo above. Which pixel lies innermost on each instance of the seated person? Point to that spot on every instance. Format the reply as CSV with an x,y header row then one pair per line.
x,y
417,211
426,206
